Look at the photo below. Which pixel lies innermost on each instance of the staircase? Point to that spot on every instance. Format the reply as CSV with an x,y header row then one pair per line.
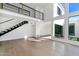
x,y
13,27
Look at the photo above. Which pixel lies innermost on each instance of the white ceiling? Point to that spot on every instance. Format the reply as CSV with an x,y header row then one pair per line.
x,y
38,5
34,5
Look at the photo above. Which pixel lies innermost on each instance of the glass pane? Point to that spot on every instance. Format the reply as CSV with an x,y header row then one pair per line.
x,y
62,4
58,28
74,28
73,7
58,10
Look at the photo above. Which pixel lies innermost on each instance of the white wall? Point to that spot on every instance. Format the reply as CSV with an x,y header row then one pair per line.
x,y
21,32
9,24
43,28
2,19
25,30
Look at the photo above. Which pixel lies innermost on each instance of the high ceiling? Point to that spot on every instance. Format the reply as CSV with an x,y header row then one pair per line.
x,y
38,5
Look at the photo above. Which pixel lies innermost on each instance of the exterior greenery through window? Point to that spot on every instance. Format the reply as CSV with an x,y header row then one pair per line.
x,y
72,29
58,30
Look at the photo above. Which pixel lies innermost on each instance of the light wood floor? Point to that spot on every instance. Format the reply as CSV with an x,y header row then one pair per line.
x,y
21,47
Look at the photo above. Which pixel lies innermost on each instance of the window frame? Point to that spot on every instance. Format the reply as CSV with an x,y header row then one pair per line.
x,y
65,16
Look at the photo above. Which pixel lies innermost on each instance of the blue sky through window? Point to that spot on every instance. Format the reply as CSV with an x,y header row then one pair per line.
x,y
73,7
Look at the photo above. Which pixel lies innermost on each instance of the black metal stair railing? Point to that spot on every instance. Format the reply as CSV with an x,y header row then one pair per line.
x,y
13,28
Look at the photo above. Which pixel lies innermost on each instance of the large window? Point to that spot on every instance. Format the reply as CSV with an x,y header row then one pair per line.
x,y
58,28
74,28
73,22
67,26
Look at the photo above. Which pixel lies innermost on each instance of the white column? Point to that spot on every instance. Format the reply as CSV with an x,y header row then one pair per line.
x,y
34,29
66,32
52,25
66,27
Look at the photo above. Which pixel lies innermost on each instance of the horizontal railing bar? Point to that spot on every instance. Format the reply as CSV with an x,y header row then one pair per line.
x,y
30,7
6,21
17,7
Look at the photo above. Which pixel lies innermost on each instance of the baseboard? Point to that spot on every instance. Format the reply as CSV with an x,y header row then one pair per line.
x,y
43,36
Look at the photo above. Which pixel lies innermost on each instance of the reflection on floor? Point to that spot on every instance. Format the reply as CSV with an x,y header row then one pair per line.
x,y
47,37
37,47
26,47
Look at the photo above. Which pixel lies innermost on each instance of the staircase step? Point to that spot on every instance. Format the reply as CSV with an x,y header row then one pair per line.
x,y
12,28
